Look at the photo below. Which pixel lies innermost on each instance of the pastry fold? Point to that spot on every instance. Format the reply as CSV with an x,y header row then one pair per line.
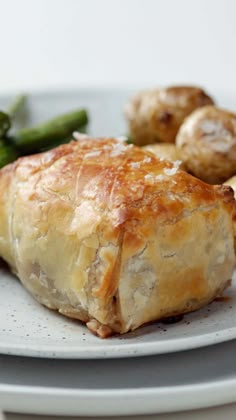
x,y
111,235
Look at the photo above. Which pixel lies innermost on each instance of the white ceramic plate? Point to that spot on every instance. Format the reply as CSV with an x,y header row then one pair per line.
x,y
28,329
178,381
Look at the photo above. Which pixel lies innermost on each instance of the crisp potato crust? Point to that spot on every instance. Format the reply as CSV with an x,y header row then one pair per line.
x,y
155,115
206,143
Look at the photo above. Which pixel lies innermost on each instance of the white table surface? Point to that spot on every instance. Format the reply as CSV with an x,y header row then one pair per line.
x,y
227,412
65,43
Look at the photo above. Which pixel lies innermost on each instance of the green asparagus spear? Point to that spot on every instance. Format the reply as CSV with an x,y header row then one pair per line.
x,y
63,141
32,140
17,107
5,123
8,154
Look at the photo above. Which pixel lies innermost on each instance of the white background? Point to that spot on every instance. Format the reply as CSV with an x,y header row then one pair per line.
x,y
68,43
71,43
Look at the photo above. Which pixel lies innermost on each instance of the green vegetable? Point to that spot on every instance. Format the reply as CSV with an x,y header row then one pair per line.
x,y
32,140
5,123
63,141
17,108
8,154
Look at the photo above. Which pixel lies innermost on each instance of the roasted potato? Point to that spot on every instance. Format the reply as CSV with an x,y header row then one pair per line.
x,y
206,143
166,151
155,115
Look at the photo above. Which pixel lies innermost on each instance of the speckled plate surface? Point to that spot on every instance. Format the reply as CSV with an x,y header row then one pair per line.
x,y
27,328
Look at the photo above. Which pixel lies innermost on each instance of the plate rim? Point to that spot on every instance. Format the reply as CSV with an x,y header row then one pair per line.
x,y
106,402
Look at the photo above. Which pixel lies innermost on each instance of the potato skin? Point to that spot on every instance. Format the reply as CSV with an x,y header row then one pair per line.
x,y
166,151
155,115
206,143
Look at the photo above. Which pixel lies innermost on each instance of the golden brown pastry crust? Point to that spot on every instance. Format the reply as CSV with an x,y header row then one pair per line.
x,y
155,115
166,151
206,143
109,234
232,183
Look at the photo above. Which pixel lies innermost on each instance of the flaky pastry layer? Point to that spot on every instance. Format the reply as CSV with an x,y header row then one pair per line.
x,y
113,236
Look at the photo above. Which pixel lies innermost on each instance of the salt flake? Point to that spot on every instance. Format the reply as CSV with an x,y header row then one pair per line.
x,y
92,154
